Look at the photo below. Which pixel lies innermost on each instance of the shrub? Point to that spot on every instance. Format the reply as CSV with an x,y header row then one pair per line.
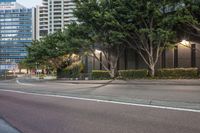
x,y
41,76
100,75
133,73
72,71
177,73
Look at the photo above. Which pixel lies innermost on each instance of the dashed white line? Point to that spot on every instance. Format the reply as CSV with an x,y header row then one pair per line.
x,y
105,101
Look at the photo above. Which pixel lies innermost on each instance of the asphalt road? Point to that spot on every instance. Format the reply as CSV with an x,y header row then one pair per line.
x,y
41,114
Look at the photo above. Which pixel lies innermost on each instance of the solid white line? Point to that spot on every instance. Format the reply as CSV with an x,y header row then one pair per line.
x,y
20,83
105,101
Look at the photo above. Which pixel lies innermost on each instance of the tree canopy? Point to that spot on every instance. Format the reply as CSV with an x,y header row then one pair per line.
x,y
151,26
191,29
98,28
53,50
147,26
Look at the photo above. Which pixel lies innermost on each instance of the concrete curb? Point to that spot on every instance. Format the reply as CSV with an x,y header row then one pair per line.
x,y
135,82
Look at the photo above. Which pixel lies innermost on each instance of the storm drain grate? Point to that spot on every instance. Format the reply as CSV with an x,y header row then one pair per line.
x,y
6,128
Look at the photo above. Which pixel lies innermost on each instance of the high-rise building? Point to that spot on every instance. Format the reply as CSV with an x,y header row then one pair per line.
x,y
53,15
17,30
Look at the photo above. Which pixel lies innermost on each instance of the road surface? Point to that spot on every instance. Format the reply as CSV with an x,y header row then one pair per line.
x,y
43,114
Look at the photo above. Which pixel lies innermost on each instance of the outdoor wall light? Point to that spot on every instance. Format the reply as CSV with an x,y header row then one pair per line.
x,y
74,55
98,51
185,43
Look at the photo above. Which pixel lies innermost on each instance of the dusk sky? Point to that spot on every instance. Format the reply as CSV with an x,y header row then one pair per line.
x,y
29,3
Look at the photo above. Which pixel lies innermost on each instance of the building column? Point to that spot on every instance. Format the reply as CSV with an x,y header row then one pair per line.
x,y
176,57
164,59
125,59
193,55
136,60
100,63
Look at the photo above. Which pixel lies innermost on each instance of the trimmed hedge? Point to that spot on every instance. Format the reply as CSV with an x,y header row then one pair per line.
x,y
133,73
100,75
75,70
180,73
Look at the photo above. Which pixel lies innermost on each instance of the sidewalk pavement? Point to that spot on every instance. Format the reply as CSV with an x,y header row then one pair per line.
x,y
190,82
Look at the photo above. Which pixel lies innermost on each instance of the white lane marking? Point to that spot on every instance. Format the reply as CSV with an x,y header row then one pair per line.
x,y
20,83
105,101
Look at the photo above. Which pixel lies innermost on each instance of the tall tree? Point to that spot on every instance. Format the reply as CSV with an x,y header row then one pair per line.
x,y
150,26
98,28
53,50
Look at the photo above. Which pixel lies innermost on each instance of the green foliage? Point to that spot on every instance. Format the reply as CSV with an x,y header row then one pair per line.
x,y
72,71
172,73
27,63
190,29
148,26
100,75
133,74
41,76
109,25
53,50
101,20
48,47
98,28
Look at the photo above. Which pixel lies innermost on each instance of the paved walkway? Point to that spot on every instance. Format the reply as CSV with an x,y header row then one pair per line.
x,y
195,82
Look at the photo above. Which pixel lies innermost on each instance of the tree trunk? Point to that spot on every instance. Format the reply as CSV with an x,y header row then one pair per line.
x,y
113,72
152,70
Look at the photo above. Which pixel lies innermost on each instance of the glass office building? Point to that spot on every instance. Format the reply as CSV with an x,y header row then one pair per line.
x,y
16,32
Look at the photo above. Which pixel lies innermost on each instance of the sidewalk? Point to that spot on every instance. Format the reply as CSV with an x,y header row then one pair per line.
x,y
192,82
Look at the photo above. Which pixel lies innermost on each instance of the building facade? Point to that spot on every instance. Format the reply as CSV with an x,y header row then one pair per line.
x,y
53,15
181,56
17,30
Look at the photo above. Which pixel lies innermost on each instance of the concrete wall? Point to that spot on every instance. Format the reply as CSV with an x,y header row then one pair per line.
x,y
184,56
131,59
169,58
121,62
